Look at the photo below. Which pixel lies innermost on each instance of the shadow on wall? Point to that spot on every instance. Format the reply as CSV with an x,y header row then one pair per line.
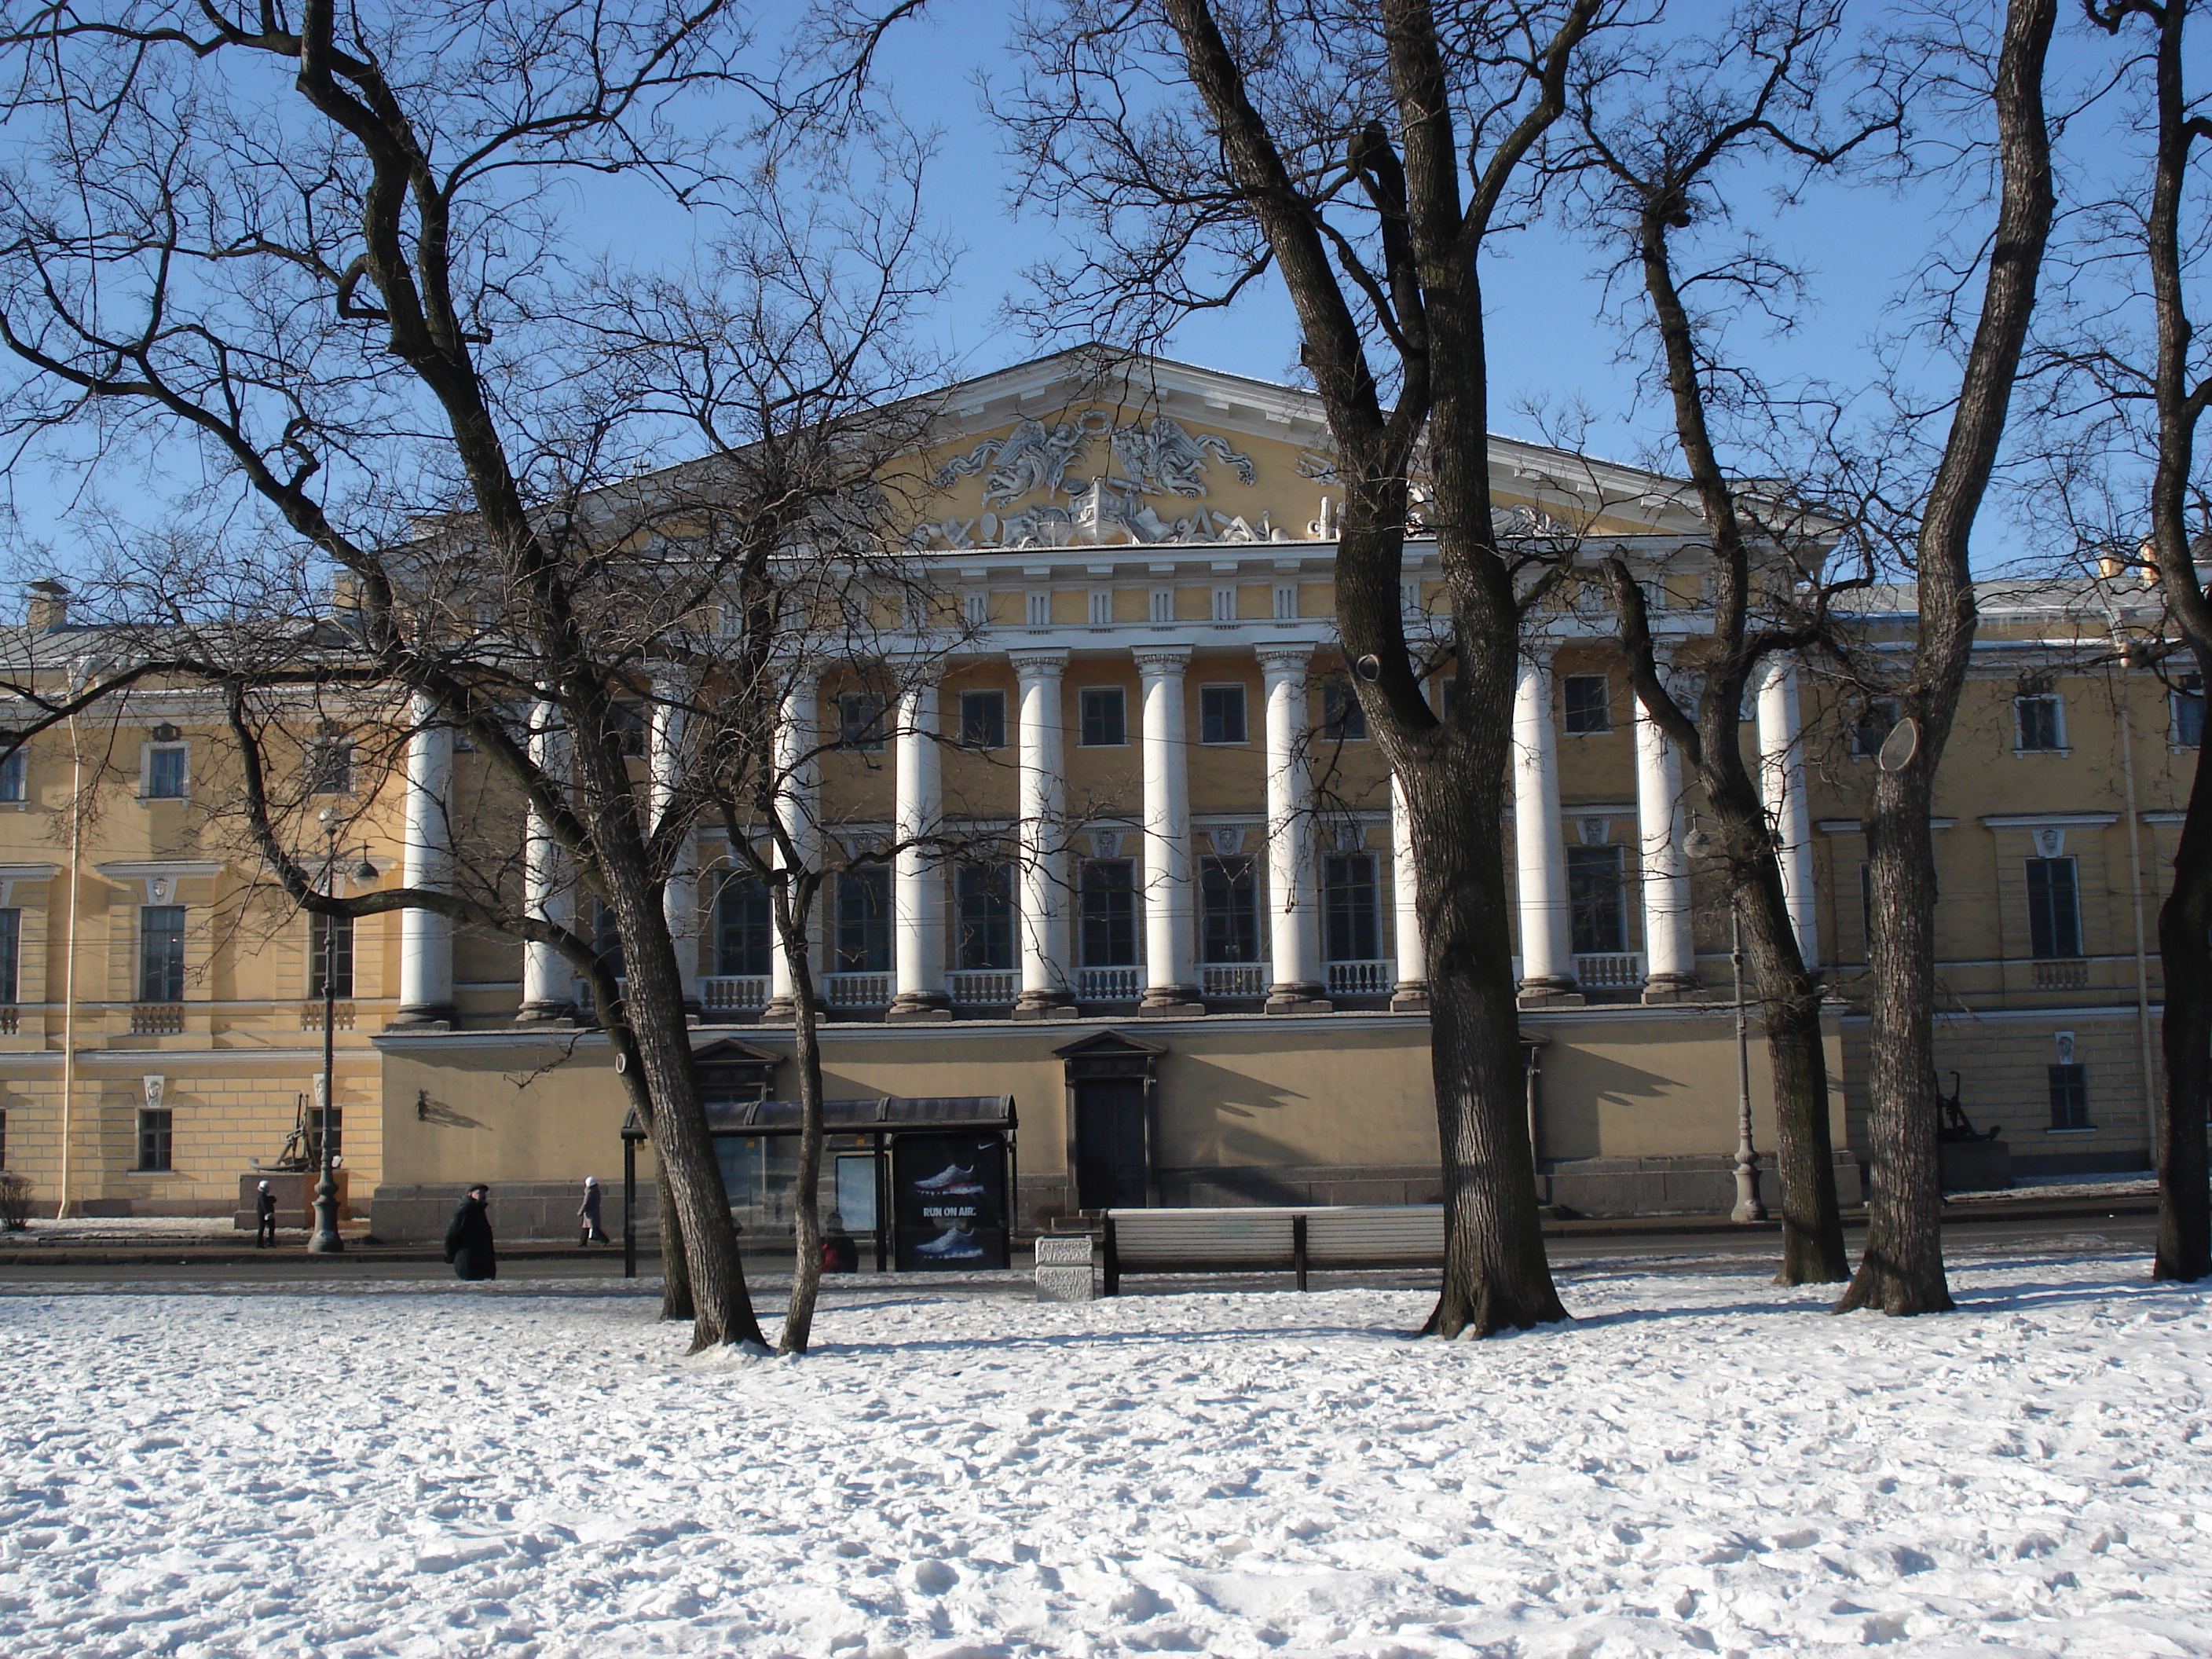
x,y
437,1112
1575,1095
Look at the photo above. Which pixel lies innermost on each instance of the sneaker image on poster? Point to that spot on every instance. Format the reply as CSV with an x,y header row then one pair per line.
x,y
953,1244
950,1180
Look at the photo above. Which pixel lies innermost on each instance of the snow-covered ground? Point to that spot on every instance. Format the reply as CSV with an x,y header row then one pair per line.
x,y
1701,1463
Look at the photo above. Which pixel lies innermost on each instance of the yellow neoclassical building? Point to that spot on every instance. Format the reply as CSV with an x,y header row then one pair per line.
x,y
1213,990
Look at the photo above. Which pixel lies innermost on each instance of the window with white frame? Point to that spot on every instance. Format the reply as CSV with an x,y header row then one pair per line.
x,y
1039,609
860,720
2069,1097
983,720
330,763
1104,723
13,772
2054,909
744,932
11,955
1588,699
1228,910
2188,702
1221,714
1107,901
1350,930
1597,906
330,952
1163,604
863,931
169,766
1343,719
1224,605
2038,724
161,953
983,905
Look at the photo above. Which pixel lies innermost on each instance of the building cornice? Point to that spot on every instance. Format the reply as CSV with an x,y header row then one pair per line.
x,y
2049,820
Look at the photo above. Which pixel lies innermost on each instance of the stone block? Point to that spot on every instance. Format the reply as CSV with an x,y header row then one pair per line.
x,y
1064,1268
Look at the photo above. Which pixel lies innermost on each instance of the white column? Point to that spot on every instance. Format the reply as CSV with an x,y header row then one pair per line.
x,y
426,939
548,977
1170,934
1547,961
917,878
679,897
1294,934
1412,990
1782,782
1669,967
796,780
1042,793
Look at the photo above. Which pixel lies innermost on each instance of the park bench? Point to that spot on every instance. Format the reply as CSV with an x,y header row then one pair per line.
x,y
1247,1238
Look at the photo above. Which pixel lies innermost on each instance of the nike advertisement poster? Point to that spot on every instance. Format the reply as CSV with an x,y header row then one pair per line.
x,y
949,1202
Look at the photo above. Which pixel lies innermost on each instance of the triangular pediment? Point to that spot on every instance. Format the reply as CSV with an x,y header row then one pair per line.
x,y
1104,1045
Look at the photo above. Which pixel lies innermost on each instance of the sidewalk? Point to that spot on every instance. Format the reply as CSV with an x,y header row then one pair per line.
x,y
134,1241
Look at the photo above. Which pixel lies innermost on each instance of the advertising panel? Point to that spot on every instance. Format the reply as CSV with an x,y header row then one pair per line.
x,y
949,1202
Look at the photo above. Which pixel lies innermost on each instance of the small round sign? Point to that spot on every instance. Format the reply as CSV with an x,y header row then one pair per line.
x,y
1898,748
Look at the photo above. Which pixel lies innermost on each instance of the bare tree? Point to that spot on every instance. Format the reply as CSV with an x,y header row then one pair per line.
x,y
321,259
1364,156
1657,138
2129,481
1902,1270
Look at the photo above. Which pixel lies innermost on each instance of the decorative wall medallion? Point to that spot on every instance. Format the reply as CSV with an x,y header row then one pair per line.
x,y
1228,840
2065,1042
2049,843
1351,837
1593,831
152,1083
1106,843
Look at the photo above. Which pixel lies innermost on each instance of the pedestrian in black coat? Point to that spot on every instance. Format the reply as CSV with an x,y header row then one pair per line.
x,y
587,1213
265,1211
468,1241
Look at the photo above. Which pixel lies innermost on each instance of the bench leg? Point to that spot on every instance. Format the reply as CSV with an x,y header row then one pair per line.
x,y
1113,1261
1298,1248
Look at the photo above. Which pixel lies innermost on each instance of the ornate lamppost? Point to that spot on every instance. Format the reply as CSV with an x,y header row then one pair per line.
x,y
324,1240
1701,843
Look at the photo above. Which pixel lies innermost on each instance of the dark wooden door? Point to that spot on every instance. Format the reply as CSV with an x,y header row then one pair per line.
x,y
1113,1150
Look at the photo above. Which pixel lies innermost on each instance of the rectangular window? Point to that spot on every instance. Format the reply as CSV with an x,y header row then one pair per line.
x,y
1105,717
167,771
1595,893
1347,908
983,901
745,932
2054,911
329,942
1342,718
1109,914
11,957
330,765
983,720
1875,724
161,953
2069,1097
2188,713
153,1140
2040,728
861,721
12,771
1589,703
864,920
1221,714
1228,910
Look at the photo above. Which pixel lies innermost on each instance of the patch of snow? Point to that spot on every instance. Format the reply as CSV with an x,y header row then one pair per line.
x,y
1701,1463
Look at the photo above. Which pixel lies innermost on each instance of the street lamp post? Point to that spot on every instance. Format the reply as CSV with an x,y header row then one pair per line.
x,y
325,1240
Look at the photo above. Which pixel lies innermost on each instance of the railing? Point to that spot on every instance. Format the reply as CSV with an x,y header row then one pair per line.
x,y
1361,979
157,1019
731,993
983,987
2065,974
311,1017
9,1017
857,990
1233,979
1108,984
1612,970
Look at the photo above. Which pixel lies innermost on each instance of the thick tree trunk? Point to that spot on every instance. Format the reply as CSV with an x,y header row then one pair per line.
x,y
2185,1181
806,1207
1496,1276
675,1271
1902,1271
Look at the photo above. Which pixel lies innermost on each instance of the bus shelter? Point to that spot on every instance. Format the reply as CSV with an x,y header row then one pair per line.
x,y
930,1179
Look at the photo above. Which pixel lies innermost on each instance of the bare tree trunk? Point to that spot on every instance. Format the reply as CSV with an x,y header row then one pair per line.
x,y
806,1207
1902,1271
2185,1181
675,1271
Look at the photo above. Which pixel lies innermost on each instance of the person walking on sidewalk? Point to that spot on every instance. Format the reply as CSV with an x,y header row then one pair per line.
x,y
265,1212
468,1241
588,1213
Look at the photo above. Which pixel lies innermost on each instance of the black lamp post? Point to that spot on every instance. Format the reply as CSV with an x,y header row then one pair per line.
x,y
324,1240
